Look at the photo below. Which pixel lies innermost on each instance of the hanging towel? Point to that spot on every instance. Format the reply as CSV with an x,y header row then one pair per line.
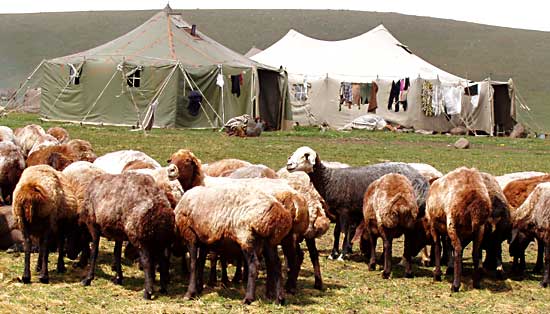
x,y
437,100
452,97
426,99
356,94
403,92
372,99
236,85
195,99
219,80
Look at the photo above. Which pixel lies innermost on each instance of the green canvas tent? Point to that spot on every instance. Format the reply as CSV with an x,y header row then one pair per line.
x,y
145,77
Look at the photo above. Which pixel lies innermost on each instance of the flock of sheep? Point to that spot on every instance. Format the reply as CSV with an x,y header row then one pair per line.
x,y
63,196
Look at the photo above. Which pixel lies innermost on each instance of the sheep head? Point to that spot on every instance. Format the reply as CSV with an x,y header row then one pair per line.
x,y
189,168
303,159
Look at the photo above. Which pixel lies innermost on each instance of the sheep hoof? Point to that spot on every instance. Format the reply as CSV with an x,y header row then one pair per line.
x,y
44,280
86,282
543,284
163,291
318,285
409,275
455,288
333,255
26,279
372,266
385,275
61,269
449,271
437,277
280,301
147,295
247,301
117,280
189,296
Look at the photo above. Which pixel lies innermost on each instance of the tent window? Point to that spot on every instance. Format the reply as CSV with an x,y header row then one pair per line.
x,y
300,91
134,79
74,75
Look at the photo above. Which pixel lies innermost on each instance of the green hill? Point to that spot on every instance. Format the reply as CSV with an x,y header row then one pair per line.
x,y
466,49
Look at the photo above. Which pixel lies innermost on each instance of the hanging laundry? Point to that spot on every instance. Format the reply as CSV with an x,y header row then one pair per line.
x,y
373,104
426,99
474,100
345,94
394,96
437,100
403,91
356,94
452,97
236,84
194,104
365,92
219,80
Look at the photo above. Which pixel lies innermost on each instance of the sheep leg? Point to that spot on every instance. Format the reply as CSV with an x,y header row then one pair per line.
x,y
96,234
238,276
314,256
372,262
457,246
336,244
349,232
84,257
225,279
251,259
540,252
61,253
38,267
117,263
387,256
289,250
213,276
201,261
437,253
147,262
44,276
164,268
546,278
27,247
476,254
273,286
192,288
408,254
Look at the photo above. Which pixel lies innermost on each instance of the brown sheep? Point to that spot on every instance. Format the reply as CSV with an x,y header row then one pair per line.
x,y
390,210
130,207
114,162
6,134
138,164
517,191
458,205
189,168
207,216
504,179
532,219
44,206
59,133
224,167
10,236
62,155
12,164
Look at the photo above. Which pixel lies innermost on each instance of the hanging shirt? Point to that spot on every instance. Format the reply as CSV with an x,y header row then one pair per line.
x,y
195,99
452,97
373,104
219,80
356,94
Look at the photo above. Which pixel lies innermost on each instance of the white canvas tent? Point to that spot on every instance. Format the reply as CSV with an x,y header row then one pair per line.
x,y
316,69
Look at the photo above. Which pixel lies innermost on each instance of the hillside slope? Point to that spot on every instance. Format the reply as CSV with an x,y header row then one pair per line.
x,y
466,49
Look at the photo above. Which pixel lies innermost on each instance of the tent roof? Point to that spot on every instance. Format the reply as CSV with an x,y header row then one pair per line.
x,y
376,53
164,38
252,52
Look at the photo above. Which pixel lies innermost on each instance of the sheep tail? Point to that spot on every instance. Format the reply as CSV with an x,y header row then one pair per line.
x,y
25,202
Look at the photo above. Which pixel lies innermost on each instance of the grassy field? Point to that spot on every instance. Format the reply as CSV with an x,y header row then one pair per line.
x,y
470,50
349,286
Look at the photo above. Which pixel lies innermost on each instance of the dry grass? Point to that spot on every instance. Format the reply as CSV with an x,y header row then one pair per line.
x,y
349,286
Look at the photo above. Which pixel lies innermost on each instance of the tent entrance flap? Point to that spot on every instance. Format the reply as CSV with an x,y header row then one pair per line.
x,y
270,98
502,108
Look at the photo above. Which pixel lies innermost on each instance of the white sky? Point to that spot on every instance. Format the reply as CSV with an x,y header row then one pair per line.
x,y
528,14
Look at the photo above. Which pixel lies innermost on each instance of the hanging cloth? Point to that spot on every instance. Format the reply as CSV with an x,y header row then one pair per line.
x,y
426,97
373,104
345,94
394,96
452,97
194,104
403,92
356,94
219,80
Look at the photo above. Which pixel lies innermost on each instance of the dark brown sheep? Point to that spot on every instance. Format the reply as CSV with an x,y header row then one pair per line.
x,y
62,155
517,191
130,207
458,205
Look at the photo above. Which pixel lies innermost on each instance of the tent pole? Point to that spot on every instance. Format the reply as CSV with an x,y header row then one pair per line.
x,y
222,92
26,82
64,88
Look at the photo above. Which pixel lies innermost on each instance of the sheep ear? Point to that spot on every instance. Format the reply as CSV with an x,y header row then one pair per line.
x,y
310,158
169,160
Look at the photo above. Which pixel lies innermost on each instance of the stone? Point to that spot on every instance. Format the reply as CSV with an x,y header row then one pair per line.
x,y
459,130
519,131
462,143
